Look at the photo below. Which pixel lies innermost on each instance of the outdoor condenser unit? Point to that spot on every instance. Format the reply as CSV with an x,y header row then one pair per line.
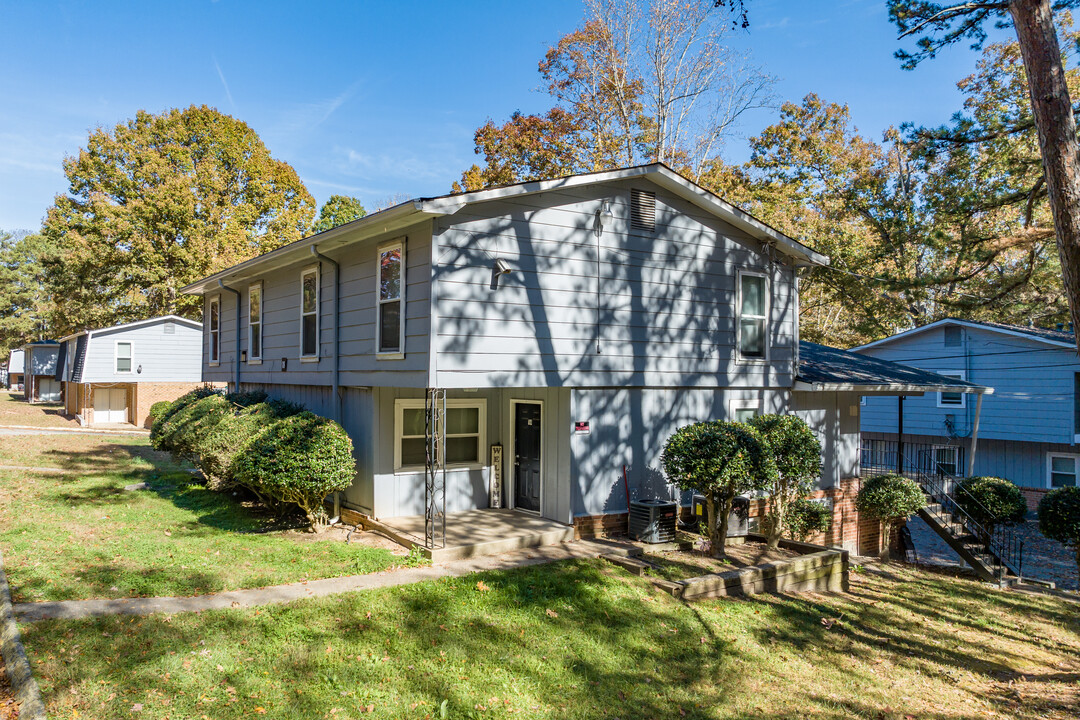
x,y
737,521
653,521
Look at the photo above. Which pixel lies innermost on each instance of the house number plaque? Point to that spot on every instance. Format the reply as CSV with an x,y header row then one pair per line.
x,y
495,489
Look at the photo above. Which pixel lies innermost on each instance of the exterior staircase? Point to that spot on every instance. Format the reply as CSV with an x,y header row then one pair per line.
x,y
995,553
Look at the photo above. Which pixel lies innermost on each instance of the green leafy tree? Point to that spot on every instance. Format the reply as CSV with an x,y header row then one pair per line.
x,y
891,499
796,454
158,202
338,210
24,301
1059,518
720,460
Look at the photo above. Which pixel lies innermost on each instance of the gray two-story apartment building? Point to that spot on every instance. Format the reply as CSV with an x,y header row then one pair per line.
x,y
565,328
1028,430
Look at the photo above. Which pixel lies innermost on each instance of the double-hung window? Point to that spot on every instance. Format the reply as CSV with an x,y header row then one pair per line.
x,y
255,323
952,399
214,326
753,326
1061,470
123,357
309,314
390,306
463,428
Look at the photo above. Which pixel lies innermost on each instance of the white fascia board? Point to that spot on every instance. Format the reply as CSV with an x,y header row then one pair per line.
x,y
803,386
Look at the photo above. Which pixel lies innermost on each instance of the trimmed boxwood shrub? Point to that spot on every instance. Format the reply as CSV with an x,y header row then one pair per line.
x,y
158,409
1059,518
796,453
806,517
188,427
227,439
160,429
299,461
991,500
891,499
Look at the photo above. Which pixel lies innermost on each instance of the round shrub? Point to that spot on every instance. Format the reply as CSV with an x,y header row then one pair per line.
x,y
159,431
1059,518
298,461
158,409
225,440
891,499
806,517
796,453
189,427
991,500
246,398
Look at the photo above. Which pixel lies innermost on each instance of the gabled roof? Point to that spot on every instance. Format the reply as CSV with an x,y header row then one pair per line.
x,y
127,326
41,343
824,368
415,210
1057,338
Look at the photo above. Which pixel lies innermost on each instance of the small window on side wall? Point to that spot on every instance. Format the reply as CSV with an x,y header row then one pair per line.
x,y
309,313
753,313
1062,470
123,357
952,399
255,322
390,328
214,329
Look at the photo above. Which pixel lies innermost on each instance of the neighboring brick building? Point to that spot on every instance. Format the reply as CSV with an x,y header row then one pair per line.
x,y
113,375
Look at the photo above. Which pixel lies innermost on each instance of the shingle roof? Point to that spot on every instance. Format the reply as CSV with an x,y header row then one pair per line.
x,y
828,368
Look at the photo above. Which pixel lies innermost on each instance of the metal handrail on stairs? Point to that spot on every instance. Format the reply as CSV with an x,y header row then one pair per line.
x,y
1000,541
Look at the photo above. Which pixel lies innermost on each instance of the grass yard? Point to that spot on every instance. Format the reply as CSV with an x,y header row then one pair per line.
x,y
579,640
14,410
78,534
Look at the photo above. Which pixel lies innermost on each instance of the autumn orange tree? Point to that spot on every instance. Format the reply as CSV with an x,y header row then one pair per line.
x,y
158,202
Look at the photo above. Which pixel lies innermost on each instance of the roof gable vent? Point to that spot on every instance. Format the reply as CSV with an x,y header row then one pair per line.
x,y
952,336
169,328
642,210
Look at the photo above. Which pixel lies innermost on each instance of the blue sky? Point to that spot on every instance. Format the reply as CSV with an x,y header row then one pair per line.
x,y
380,99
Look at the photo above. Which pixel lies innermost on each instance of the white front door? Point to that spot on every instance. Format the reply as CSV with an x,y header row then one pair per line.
x,y
110,405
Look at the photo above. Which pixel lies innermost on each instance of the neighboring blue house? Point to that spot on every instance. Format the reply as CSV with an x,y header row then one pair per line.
x,y
1029,428
39,384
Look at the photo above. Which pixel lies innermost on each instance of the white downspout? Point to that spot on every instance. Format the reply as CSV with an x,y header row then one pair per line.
x,y
974,435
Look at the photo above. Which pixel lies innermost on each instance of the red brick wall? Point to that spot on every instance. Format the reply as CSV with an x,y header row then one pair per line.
x,y
1033,496
148,393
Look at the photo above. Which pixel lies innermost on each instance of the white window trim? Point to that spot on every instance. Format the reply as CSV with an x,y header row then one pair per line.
x,y
739,316
313,269
959,374
508,458
408,403
1050,467
255,358
131,356
737,404
398,354
214,360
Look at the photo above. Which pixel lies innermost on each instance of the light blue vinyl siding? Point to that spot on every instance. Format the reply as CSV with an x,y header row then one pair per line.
x,y
666,299
163,357
42,359
1033,387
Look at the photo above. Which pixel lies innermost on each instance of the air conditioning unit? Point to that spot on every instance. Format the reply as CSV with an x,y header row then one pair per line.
x,y
653,521
738,521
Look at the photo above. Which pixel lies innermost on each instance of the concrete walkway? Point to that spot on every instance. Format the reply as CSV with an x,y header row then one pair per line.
x,y
32,430
32,612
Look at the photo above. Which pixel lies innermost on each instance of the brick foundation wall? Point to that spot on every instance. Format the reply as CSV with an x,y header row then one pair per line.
x,y
587,526
1033,496
148,393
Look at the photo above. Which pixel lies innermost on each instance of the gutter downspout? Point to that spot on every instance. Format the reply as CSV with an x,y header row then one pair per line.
x,y
974,435
337,358
236,370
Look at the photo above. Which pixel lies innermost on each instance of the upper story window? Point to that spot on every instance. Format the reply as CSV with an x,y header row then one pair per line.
x,y
309,313
214,328
952,399
390,328
255,322
753,306
123,357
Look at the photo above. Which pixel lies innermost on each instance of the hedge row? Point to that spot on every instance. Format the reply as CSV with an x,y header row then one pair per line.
x,y
278,450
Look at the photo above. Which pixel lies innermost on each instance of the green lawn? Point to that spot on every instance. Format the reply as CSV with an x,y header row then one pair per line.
x,y
80,535
579,640
14,410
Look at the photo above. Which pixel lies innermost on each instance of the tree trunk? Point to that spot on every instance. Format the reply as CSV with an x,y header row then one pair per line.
x,y
885,551
1054,120
719,507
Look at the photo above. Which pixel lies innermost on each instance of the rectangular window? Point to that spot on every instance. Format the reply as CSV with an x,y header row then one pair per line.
x,y
1076,404
952,399
945,460
1061,470
753,314
215,329
309,313
123,357
464,425
255,322
390,330
744,410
